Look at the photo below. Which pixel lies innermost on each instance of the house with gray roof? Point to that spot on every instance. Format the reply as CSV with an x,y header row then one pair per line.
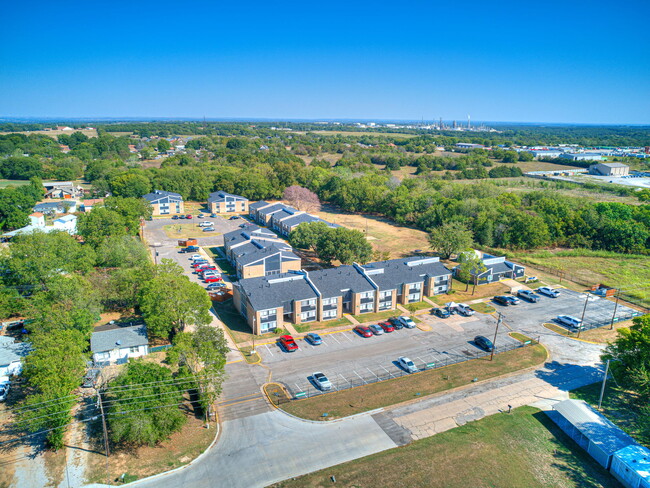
x,y
497,268
116,345
165,202
221,202
290,222
301,296
52,208
263,214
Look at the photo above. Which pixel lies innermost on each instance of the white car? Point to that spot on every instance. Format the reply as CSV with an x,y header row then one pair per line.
x,y
548,291
194,257
4,387
408,365
464,309
322,381
570,321
407,322
206,223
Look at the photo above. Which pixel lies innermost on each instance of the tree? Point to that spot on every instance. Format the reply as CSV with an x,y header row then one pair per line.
x,y
450,238
99,224
170,301
344,245
302,198
306,236
163,145
471,266
122,252
236,143
201,354
144,403
132,209
130,185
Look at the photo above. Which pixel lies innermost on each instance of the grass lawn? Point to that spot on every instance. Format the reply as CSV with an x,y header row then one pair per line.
x,y
482,307
376,317
522,449
349,402
313,326
250,358
601,334
415,306
223,263
384,235
6,183
238,327
186,231
618,406
459,295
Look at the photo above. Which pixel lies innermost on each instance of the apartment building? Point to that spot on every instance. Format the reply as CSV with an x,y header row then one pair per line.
x,y
165,202
301,296
221,202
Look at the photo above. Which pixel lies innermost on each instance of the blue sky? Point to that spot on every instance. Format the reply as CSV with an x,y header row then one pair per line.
x,y
552,61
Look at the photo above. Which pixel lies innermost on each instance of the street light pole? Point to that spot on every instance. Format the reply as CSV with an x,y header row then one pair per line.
x,y
494,342
602,389
582,319
618,294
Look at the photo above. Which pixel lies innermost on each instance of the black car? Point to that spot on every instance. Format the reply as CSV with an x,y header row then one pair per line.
x,y
484,343
502,300
175,217
528,295
234,217
395,322
440,312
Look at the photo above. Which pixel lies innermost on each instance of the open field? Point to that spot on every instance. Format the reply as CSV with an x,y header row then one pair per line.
x,y
384,235
6,183
522,449
361,399
331,158
55,133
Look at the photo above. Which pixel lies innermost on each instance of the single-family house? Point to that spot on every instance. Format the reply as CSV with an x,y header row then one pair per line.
x,y
62,189
53,208
113,344
496,268
224,203
165,202
88,204
67,223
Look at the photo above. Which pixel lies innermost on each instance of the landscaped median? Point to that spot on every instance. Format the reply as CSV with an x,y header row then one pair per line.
x,y
390,392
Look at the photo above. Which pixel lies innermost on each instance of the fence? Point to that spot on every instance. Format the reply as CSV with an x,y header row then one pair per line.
x,y
340,383
160,348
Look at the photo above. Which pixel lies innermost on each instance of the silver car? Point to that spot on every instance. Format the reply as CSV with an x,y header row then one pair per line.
x,y
408,365
322,381
548,291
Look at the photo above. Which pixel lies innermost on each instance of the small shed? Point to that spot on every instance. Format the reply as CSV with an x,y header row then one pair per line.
x,y
593,432
631,466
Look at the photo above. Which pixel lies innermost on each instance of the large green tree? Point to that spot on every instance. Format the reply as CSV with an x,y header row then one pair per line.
x,y
450,238
170,301
344,245
101,223
132,185
470,267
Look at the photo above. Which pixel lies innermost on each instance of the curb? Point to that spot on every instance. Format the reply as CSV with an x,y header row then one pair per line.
x,y
573,338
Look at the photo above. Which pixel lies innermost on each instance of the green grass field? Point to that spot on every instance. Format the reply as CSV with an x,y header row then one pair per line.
x,y
6,183
523,449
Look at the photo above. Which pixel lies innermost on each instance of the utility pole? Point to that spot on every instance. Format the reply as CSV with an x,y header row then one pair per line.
x,y
494,342
611,326
101,410
582,319
602,389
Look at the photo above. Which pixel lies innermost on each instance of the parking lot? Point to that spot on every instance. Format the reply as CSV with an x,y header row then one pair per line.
x,y
347,358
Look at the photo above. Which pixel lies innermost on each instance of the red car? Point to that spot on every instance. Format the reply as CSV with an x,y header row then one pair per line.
x,y
202,267
189,216
363,331
387,326
288,343
198,263
212,279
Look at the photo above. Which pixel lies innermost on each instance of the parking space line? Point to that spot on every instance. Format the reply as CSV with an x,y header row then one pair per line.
x,y
364,381
372,372
343,378
337,341
268,349
298,386
385,370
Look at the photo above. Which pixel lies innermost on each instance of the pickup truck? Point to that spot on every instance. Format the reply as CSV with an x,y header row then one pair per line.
x,y
465,309
528,295
190,249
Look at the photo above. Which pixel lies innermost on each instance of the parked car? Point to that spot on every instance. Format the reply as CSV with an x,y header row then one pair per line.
x,y
198,263
569,321
188,216
213,215
182,217
175,217
440,312
195,256
189,249
216,286
376,329
206,223
512,300
288,343
208,229
502,300
465,309
407,322
5,384
90,378
407,364
387,326
363,331
548,291
235,217
484,343
395,322
321,380
314,339
212,279
528,295
200,216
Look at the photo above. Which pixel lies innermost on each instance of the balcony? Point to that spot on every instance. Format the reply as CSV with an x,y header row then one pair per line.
x,y
414,290
268,318
331,306
368,300
307,308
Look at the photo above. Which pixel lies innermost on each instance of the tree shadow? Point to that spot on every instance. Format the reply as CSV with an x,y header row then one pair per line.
x,y
566,376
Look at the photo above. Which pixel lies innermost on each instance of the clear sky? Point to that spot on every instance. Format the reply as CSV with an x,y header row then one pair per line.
x,y
528,61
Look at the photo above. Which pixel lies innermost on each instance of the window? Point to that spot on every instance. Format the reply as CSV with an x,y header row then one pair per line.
x,y
102,356
267,326
368,294
243,206
330,301
414,297
134,350
366,306
307,316
385,294
328,314
416,286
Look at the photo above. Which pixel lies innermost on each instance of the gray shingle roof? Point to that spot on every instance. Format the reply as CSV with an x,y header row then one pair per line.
x,y
331,282
397,272
272,291
257,250
107,340
162,195
257,205
49,206
276,207
222,196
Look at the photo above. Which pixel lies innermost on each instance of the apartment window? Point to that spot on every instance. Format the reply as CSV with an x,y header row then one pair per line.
x,y
134,350
267,313
243,206
307,316
101,356
385,294
309,303
328,314
330,301
415,286
368,294
267,326
366,307
414,297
